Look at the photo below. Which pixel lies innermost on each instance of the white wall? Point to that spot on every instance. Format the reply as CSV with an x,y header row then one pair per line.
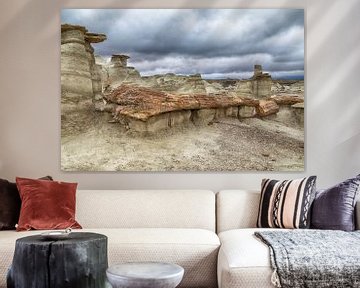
x,y
30,94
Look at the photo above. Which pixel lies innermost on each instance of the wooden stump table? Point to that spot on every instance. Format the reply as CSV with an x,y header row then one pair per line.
x,y
78,261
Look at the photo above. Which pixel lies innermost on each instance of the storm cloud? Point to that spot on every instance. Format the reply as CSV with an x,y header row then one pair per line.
x,y
218,43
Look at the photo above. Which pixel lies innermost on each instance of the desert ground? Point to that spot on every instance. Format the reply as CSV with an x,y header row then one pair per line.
x,y
225,145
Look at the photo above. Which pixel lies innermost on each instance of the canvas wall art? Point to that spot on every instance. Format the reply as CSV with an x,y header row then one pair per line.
x,y
182,90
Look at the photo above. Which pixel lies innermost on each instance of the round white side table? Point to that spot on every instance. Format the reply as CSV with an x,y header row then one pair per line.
x,y
145,275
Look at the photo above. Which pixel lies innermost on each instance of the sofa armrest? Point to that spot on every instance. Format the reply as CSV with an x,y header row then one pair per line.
x,y
357,215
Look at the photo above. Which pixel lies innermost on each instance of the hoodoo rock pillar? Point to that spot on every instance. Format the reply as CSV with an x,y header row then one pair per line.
x,y
95,69
261,83
119,72
80,78
76,83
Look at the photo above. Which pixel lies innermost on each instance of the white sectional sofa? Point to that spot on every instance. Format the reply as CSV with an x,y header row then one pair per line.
x,y
243,260
171,226
177,226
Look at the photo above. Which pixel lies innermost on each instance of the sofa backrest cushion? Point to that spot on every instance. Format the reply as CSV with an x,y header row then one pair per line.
x,y
236,209
146,209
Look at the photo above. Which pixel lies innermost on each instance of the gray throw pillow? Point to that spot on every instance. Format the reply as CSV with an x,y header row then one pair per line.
x,y
334,208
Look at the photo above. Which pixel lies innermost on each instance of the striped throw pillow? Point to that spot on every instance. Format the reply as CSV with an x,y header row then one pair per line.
x,y
286,204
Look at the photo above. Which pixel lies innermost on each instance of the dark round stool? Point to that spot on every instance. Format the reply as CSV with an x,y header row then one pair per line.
x,y
78,261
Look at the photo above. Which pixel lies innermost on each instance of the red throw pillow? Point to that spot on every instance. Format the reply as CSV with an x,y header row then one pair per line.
x,y
10,204
46,204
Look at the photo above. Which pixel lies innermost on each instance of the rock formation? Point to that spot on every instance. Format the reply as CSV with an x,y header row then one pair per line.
x,y
288,86
286,99
176,84
142,103
290,109
267,107
261,83
299,113
152,103
80,76
76,80
145,109
118,71
244,87
247,112
257,70
258,86
95,69
119,60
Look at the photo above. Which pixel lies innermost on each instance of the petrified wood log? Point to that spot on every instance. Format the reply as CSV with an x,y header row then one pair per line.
x,y
267,107
79,261
286,99
141,103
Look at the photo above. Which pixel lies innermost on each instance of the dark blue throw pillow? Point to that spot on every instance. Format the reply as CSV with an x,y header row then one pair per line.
x,y
334,208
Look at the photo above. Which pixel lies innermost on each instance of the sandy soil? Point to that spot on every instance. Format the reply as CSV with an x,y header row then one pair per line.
x,y
226,145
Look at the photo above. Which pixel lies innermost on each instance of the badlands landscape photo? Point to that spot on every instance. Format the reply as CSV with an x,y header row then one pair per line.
x,y
182,90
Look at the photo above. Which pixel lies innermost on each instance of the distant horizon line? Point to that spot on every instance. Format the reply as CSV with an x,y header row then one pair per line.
x,y
290,77
298,76
273,78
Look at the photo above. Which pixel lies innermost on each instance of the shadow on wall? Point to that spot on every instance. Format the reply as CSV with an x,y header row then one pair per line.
x,y
325,39
43,12
330,100
334,37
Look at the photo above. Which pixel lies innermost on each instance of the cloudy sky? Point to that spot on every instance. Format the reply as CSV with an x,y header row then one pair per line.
x,y
218,43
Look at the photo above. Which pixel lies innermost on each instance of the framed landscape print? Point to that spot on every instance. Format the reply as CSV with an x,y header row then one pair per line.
x,y
182,90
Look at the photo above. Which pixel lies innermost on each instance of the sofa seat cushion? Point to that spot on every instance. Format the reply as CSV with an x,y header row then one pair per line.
x,y
244,261
194,249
